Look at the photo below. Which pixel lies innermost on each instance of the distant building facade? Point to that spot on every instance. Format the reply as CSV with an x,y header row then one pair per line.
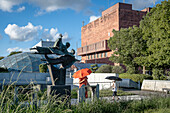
x,y
94,36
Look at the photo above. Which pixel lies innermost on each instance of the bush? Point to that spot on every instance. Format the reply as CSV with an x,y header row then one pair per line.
x,y
43,68
2,70
48,104
135,77
130,69
93,68
117,69
1,58
74,93
104,69
158,74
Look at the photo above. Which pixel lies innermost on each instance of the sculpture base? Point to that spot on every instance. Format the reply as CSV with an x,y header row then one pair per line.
x,y
62,92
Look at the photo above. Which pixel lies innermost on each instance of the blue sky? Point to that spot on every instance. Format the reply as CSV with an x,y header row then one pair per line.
x,y
23,23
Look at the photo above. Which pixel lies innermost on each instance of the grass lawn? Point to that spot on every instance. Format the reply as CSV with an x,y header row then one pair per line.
x,y
56,105
166,110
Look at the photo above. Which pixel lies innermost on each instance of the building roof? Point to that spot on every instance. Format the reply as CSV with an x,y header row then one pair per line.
x,y
44,44
26,62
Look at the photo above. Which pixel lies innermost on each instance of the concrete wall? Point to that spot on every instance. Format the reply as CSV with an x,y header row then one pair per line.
x,y
27,78
44,79
24,78
99,78
155,85
128,83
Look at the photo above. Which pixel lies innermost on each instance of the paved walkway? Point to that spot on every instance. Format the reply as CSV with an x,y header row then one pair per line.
x,y
139,94
109,99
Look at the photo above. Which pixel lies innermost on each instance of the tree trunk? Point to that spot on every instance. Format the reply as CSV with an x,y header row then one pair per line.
x,y
144,70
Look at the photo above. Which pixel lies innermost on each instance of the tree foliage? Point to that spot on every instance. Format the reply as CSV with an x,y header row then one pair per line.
x,y
104,69
43,68
1,58
156,31
127,44
147,45
14,52
135,77
3,70
117,69
93,68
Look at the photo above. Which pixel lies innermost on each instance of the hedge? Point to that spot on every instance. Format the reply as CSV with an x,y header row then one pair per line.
x,y
135,77
117,69
104,69
3,70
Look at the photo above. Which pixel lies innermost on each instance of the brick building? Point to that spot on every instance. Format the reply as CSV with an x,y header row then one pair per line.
x,y
94,36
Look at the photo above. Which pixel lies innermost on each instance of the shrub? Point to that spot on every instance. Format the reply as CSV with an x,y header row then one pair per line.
x,y
74,93
1,58
43,68
2,70
130,69
135,77
158,74
94,67
104,69
117,69
47,104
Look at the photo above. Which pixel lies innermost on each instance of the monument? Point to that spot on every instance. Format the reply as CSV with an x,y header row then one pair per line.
x,y
58,73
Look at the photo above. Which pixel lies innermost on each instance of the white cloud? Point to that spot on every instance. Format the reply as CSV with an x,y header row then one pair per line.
x,y
46,5
9,50
21,9
141,4
54,5
53,35
24,33
92,18
7,5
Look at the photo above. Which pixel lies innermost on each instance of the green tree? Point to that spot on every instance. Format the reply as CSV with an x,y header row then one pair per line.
x,y
128,44
1,58
117,69
156,31
43,68
14,52
93,68
3,70
104,69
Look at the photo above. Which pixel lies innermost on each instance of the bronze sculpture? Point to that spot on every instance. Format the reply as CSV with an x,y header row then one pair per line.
x,y
66,59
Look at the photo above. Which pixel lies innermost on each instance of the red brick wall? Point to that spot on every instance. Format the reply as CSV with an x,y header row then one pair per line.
x,y
98,30
128,18
118,16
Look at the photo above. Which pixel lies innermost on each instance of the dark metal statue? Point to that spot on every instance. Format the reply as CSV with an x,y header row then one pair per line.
x,y
66,59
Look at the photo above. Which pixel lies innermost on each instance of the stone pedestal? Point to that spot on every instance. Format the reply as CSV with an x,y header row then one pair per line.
x,y
60,90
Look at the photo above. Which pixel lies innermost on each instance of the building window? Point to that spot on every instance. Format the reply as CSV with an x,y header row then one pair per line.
x,y
101,55
105,55
91,56
88,57
98,55
94,56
